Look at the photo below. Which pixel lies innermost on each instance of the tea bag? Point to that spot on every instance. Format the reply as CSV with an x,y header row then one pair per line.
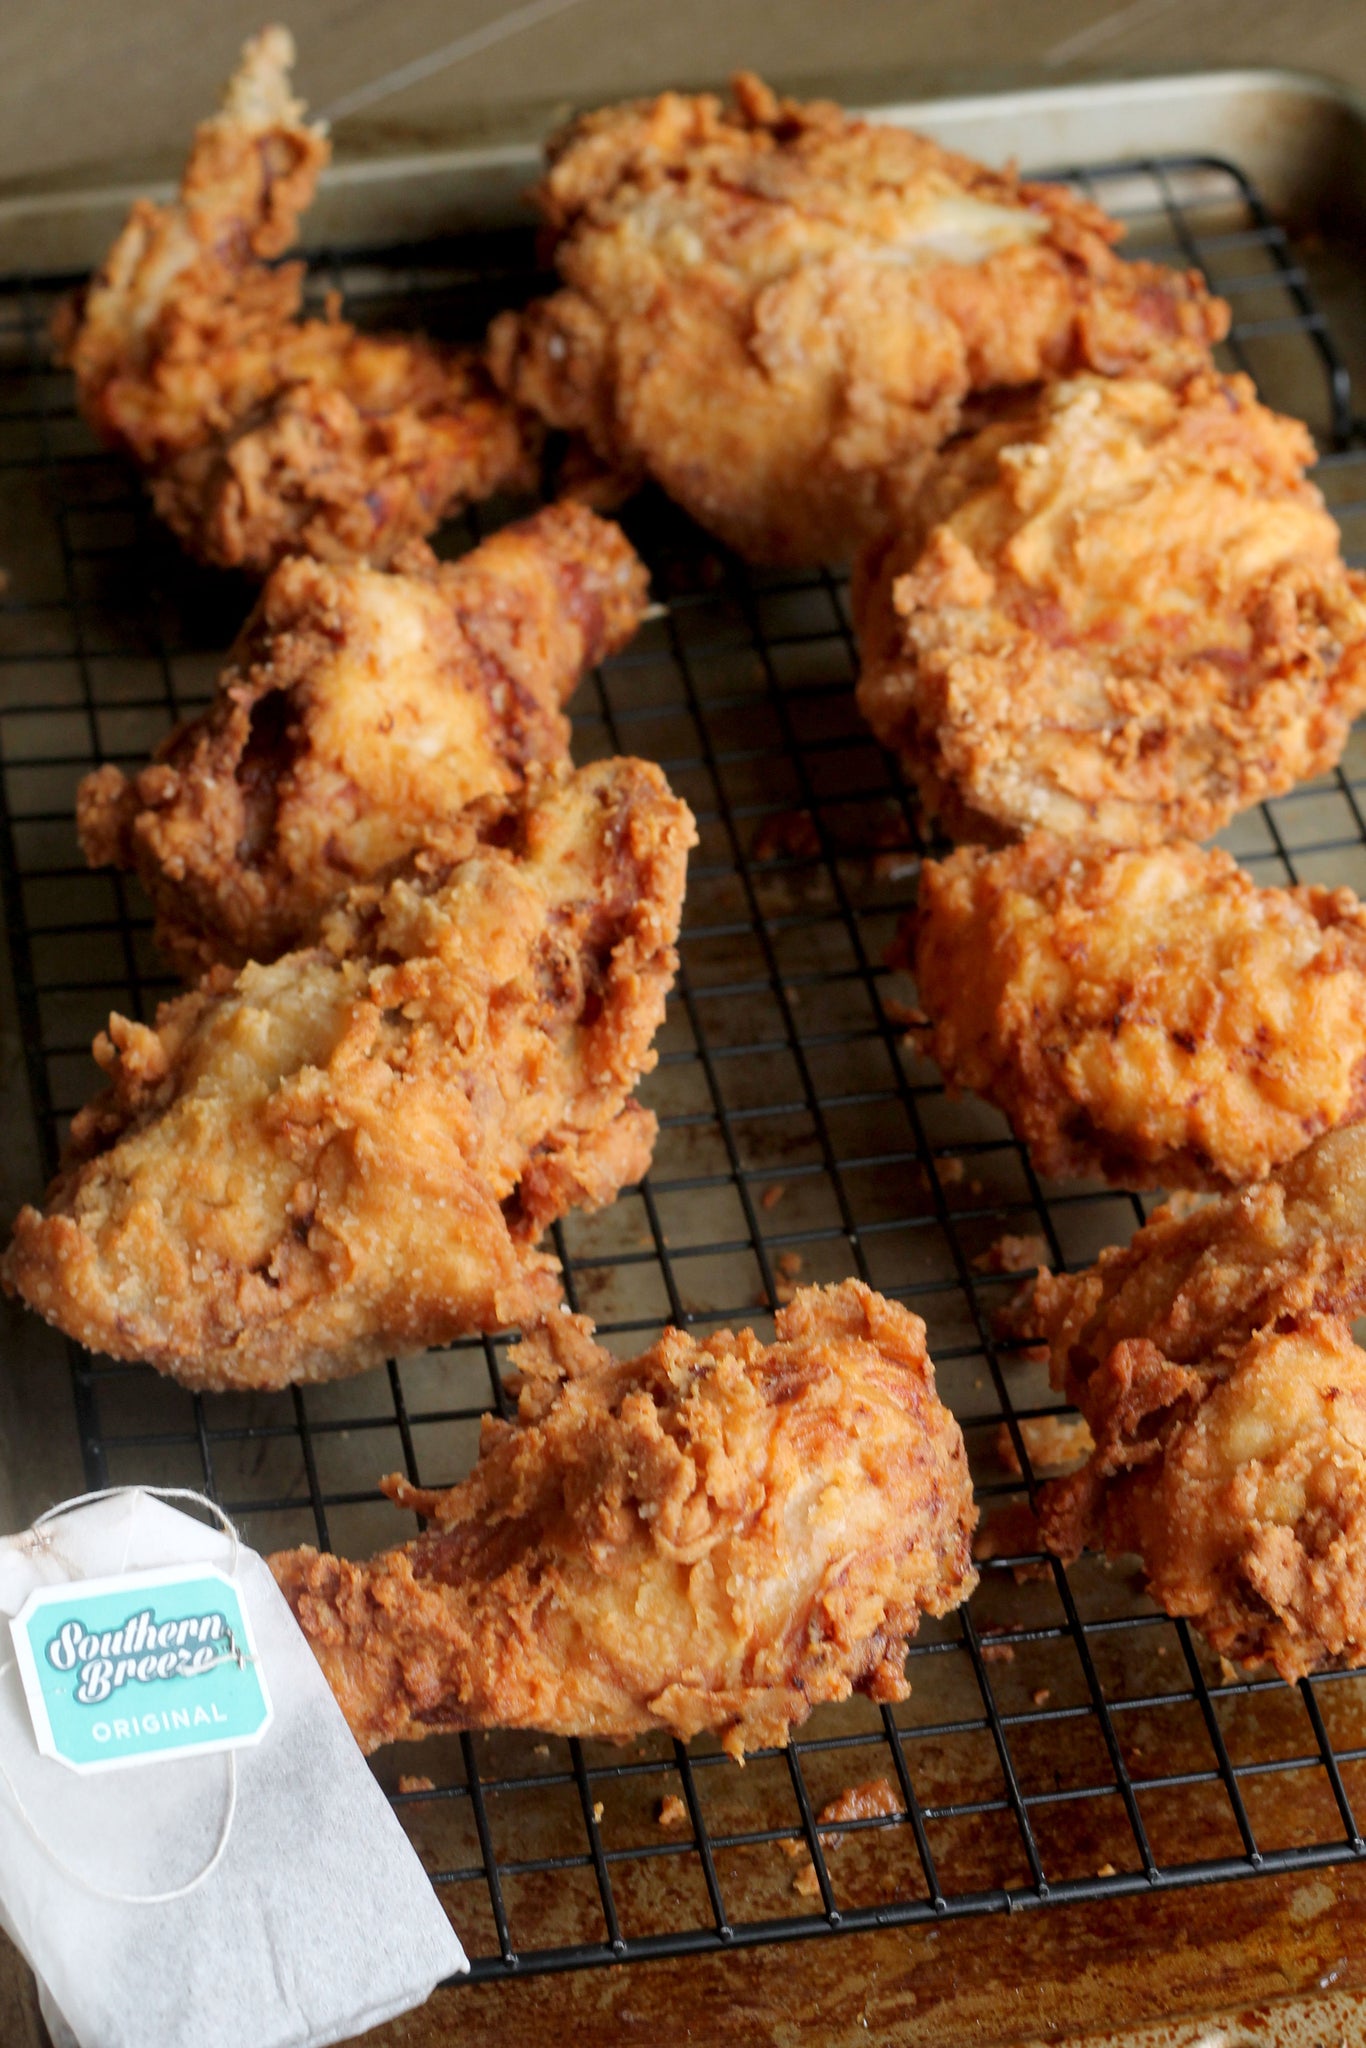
x,y
267,1895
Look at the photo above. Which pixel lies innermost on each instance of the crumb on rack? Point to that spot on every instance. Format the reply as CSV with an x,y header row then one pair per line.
x,y
672,1812
597,1809
1010,1530
873,1800
1040,1696
787,1265
1052,1441
790,835
772,1195
950,1172
908,1016
1010,1254
412,1782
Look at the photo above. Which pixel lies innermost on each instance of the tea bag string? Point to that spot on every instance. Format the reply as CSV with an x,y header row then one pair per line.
x,y
77,1877
200,1500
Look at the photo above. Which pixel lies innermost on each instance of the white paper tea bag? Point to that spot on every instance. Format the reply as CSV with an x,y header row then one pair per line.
x,y
298,1912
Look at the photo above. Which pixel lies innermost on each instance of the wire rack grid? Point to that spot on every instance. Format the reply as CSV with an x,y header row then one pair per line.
x,y
1063,1739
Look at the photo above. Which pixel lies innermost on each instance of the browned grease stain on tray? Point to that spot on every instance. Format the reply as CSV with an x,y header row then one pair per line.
x,y
1038,1976
1034,1975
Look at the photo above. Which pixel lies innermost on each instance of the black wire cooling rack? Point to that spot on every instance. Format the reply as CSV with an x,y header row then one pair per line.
x,y
1063,1739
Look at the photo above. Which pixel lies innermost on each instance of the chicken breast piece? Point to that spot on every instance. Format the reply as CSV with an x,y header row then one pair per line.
x,y
777,310
349,1154
713,1536
1120,614
1229,1417
1146,1014
263,434
359,709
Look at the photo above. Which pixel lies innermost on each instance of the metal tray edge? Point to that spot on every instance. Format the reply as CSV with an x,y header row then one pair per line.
x,y
1302,139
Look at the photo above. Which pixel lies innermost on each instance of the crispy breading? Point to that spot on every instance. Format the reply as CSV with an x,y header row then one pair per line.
x,y
717,1535
1201,1280
350,1154
1214,1363
1120,613
1146,1014
776,310
263,434
359,708
1242,1486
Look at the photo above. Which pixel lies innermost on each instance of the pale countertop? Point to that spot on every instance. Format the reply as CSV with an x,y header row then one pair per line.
x,y
92,94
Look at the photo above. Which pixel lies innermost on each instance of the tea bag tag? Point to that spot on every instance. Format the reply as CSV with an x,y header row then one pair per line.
x,y
192,1848
150,1664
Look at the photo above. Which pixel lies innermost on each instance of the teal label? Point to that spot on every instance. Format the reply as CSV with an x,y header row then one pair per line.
x,y
154,1664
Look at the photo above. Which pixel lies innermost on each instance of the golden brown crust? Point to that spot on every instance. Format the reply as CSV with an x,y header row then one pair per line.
x,y
263,434
712,1536
311,1166
1213,1360
777,311
1241,1484
371,443
1122,616
360,709
1201,1282
1149,1015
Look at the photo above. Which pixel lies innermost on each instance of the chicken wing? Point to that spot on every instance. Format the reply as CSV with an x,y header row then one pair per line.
x,y
349,1154
1120,614
1150,1015
716,1535
359,708
777,310
1214,1363
262,434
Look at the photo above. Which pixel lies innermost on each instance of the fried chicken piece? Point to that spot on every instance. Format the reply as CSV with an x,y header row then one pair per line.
x,y
1213,1360
359,708
1197,1280
262,434
349,1155
1146,1014
713,1536
776,310
1120,614
1241,1483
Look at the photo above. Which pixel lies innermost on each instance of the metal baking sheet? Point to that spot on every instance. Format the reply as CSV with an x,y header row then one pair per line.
x,y
1301,140
1063,1741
